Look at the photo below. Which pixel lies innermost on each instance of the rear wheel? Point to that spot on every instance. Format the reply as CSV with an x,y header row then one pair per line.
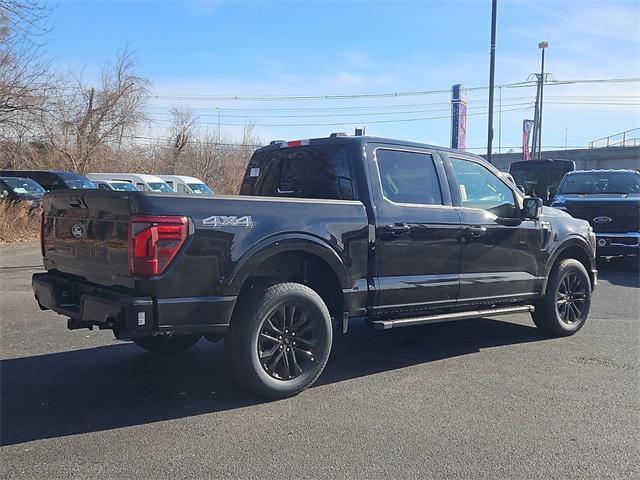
x,y
565,307
167,345
280,339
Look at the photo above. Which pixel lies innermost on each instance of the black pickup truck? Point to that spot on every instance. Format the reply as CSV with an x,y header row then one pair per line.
x,y
610,201
325,231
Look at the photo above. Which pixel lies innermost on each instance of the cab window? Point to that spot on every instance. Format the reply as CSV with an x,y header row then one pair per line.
x,y
408,177
481,188
303,172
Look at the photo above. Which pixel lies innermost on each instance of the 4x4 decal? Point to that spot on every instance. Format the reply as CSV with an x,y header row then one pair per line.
x,y
219,221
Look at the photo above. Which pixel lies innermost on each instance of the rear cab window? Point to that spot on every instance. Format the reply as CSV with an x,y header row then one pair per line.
x,y
319,171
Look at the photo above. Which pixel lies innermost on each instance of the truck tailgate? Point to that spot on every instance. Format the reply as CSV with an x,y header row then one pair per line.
x,y
85,234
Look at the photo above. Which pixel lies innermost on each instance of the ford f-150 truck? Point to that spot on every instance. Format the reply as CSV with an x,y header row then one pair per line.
x,y
325,231
610,201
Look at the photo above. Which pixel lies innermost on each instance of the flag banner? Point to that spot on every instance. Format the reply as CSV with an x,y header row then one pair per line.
x,y
458,116
527,127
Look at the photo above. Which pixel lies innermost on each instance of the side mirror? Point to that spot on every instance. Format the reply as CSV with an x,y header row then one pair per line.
x,y
532,208
521,188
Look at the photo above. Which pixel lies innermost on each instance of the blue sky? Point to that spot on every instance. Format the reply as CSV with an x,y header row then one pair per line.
x,y
211,47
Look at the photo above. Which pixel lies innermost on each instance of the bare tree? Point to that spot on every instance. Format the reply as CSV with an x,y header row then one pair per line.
x,y
24,74
80,120
181,133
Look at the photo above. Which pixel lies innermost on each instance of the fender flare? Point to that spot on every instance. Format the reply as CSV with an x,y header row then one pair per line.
x,y
277,244
567,242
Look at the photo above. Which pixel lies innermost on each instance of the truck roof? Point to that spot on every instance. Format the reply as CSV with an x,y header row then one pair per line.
x,y
605,170
360,139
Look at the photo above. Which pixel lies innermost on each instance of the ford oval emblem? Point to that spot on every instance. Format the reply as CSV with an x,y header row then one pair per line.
x,y
602,219
78,230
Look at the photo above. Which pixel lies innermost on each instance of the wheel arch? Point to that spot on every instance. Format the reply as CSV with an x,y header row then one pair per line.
x,y
302,259
576,248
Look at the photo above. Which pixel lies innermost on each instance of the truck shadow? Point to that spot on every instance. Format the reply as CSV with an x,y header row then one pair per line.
x,y
116,386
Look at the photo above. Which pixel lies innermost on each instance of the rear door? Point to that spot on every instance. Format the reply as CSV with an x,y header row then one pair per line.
x,y
500,252
417,231
86,234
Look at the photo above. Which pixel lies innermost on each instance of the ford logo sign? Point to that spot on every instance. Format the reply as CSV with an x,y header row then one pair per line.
x,y
602,219
78,230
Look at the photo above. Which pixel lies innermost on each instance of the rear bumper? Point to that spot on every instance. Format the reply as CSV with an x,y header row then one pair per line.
x,y
128,316
617,244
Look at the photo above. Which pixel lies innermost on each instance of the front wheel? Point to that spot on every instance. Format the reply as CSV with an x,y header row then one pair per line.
x,y
279,340
565,307
167,345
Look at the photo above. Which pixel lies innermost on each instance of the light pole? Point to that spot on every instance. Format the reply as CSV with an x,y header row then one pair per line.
x,y
543,46
492,68
218,108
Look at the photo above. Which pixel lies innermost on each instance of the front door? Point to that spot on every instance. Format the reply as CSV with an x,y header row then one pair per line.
x,y
499,254
417,230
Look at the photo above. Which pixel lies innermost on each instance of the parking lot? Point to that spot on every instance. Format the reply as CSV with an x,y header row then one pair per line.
x,y
471,399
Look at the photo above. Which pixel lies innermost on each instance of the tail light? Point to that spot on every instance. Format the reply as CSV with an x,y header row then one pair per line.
x,y
42,247
154,242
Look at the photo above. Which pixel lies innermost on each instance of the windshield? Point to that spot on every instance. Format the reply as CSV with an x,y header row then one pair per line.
x,y
601,182
200,188
123,186
159,187
78,183
24,186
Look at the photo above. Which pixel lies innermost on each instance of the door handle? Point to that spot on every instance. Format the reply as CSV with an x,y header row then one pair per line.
x,y
398,229
475,230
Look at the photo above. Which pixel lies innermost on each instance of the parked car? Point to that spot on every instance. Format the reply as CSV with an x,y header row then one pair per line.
x,y
115,185
610,201
356,228
540,178
52,179
18,189
143,182
184,184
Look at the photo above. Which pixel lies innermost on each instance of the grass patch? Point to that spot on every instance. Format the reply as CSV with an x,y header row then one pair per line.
x,y
18,223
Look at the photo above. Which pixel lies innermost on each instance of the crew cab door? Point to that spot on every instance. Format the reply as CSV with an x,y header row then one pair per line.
x,y
417,244
499,251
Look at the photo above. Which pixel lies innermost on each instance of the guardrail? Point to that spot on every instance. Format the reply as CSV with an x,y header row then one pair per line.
x,y
628,138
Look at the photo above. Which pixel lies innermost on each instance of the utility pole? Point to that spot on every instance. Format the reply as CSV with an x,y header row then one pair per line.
x,y
536,117
500,120
543,46
492,68
536,144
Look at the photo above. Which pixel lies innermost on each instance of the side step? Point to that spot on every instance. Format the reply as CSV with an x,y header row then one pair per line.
x,y
447,317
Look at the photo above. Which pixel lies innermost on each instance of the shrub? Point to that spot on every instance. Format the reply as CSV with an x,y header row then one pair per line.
x,y
17,223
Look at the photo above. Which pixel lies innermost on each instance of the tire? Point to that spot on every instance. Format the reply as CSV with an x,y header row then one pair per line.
x,y
279,340
167,345
565,306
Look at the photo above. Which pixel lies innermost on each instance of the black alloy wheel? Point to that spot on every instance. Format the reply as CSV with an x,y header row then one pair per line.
x,y
279,339
287,344
571,298
564,308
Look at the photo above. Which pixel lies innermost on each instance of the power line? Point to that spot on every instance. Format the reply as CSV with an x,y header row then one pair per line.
x,y
339,124
358,114
258,98
378,106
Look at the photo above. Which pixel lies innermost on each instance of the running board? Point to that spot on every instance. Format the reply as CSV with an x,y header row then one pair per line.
x,y
447,317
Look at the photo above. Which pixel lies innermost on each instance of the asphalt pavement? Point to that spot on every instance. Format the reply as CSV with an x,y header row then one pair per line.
x,y
489,398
